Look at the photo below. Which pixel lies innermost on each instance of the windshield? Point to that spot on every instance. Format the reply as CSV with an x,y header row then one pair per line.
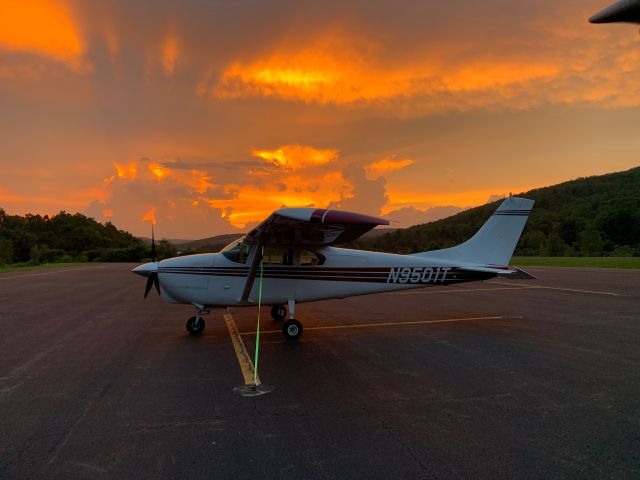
x,y
237,251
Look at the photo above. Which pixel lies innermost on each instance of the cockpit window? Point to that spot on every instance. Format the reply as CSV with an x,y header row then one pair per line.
x,y
237,251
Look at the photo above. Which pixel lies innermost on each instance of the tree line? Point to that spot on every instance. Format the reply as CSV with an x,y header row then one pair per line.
x,y
38,239
594,216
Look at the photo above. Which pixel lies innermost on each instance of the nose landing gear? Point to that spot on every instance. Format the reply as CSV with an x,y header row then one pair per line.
x,y
195,325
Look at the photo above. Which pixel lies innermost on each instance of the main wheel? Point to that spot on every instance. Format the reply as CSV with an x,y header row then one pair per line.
x,y
278,312
193,328
292,329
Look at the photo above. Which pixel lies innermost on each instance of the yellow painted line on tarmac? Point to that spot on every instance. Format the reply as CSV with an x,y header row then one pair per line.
x,y
244,360
385,324
563,289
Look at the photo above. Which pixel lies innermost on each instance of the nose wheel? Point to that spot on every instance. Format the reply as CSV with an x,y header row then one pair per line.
x,y
292,329
195,325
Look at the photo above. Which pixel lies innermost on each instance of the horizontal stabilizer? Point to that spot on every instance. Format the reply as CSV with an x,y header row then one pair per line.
x,y
521,275
510,273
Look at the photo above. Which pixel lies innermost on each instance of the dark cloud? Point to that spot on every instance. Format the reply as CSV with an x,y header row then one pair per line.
x,y
221,193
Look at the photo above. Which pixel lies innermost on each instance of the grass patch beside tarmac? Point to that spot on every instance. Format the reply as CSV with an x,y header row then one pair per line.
x,y
24,268
584,262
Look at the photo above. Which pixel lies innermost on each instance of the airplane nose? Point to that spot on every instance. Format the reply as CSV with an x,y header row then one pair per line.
x,y
627,11
146,269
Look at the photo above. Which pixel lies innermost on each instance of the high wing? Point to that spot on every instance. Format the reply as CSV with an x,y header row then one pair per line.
x,y
312,228
306,228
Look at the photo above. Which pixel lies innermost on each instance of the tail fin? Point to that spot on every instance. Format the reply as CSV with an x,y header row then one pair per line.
x,y
496,240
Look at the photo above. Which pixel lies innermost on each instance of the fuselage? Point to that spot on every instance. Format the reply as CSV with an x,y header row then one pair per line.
x,y
215,280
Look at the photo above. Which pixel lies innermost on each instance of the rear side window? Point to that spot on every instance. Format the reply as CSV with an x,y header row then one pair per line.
x,y
307,257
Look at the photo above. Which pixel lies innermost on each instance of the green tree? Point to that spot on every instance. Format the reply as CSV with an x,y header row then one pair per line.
x,y
554,246
591,242
6,251
165,249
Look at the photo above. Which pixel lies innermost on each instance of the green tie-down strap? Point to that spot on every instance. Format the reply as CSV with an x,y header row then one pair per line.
x,y
255,359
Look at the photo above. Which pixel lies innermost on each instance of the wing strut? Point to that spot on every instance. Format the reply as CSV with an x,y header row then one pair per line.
x,y
253,270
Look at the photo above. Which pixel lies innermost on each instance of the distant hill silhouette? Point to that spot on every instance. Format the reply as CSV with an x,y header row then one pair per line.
x,y
593,216
210,244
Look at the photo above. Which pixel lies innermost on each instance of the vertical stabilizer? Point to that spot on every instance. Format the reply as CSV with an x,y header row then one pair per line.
x,y
496,240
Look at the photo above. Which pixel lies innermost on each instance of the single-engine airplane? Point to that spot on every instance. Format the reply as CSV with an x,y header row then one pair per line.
x,y
293,255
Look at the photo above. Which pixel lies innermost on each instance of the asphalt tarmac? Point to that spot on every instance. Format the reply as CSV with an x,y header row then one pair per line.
x,y
501,379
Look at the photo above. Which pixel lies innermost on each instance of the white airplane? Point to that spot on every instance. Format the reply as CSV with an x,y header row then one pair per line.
x,y
292,254
625,11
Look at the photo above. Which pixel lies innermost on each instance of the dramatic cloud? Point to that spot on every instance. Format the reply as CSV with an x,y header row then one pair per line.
x,y
141,191
295,157
231,110
386,165
350,71
364,195
43,27
192,202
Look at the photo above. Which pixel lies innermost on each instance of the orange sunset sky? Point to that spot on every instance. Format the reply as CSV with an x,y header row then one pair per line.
x,y
209,115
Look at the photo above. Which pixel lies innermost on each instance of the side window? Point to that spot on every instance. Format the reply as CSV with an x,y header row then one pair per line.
x,y
307,257
277,256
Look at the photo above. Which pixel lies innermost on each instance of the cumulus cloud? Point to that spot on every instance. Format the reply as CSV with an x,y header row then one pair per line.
x,y
195,202
139,193
363,195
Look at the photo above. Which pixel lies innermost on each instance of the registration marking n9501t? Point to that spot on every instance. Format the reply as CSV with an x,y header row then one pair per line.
x,y
417,275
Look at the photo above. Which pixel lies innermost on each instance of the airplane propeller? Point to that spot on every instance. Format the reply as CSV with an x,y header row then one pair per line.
x,y
153,276
152,280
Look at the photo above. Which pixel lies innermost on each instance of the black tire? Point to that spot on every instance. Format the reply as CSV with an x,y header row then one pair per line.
x,y
292,329
192,329
278,312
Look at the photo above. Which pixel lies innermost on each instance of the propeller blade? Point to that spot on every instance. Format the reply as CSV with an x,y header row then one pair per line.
x,y
149,285
152,280
156,282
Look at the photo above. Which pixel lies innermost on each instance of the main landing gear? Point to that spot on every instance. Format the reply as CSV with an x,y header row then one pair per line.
x,y
278,312
292,328
195,325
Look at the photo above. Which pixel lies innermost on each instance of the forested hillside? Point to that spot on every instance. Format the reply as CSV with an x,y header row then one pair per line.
x,y
594,216
36,239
